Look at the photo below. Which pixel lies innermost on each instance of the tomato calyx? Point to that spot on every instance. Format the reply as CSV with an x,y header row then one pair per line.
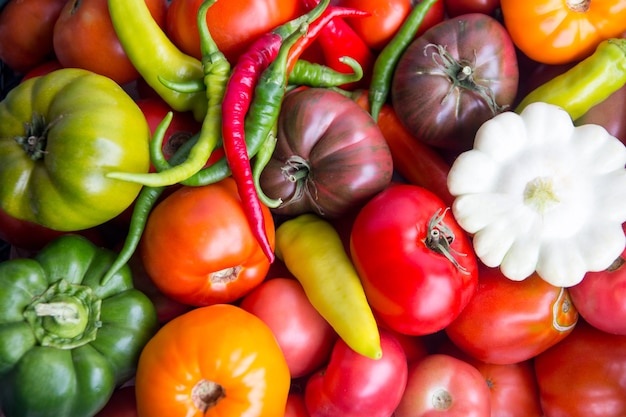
x,y
461,75
224,276
439,237
35,139
442,400
206,394
297,170
580,6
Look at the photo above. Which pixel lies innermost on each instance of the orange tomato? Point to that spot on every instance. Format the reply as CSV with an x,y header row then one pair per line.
x,y
562,31
198,247
213,361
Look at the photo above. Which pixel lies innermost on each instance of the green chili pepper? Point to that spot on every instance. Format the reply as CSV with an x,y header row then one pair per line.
x,y
313,252
317,75
155,56
66,341
586,84
261,159
217,72
388,58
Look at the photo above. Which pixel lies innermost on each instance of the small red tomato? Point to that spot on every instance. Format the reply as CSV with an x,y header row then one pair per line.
x,y
445,386
599,298
304,336
354,385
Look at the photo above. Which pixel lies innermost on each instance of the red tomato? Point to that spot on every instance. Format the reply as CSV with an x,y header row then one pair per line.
x,y
353,385
417,265
386,17
234,24
304,336
512,387
511,321
26,32
599,298
121,404
459,7
42,69
97,48
583,376
445,386
198,247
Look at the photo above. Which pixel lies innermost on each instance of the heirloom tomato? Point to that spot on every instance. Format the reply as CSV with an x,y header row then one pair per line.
x,y
60,134
583,375
416,264
445,386
234,24
562,31
330,155
353,385
84,37
510,321
386,17
458,74
599,298
217,360
458,7
304,336
198,248
26,28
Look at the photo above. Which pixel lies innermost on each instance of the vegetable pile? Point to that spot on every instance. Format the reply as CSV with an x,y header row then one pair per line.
x,y
312,208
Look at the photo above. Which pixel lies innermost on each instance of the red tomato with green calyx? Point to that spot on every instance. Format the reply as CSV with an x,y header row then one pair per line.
x,y
417,265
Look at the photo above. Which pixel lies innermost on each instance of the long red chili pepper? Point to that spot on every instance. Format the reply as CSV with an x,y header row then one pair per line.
x,y
316,27
337,40
235,105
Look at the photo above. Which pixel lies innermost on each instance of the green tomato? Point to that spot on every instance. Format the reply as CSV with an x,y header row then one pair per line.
x,y
66,341
60,134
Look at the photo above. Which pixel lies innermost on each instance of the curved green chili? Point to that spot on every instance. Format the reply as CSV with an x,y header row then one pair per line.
x,y
261,160
217,71
386,62
155,56
318,75
586,84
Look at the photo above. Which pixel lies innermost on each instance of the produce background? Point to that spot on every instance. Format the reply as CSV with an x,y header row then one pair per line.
x,y
556,394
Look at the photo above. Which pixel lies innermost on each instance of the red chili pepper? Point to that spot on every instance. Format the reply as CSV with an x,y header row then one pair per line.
x,y
316,27
235,105
337,40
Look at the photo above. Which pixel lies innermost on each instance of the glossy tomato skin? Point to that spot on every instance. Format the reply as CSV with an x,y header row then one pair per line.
x,y
295,405
449,81
559,32
412,288
458,7
217,360
445,386
97,48
513,387
511,321
26,28
304,336
198,247
385,19
352,385
330,155
24,234
583,375
599,298
233,24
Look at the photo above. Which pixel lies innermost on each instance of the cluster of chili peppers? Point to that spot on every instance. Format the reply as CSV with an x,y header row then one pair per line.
x,y
241,105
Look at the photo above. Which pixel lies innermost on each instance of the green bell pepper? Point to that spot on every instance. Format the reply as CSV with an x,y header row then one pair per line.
x,y
66,342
